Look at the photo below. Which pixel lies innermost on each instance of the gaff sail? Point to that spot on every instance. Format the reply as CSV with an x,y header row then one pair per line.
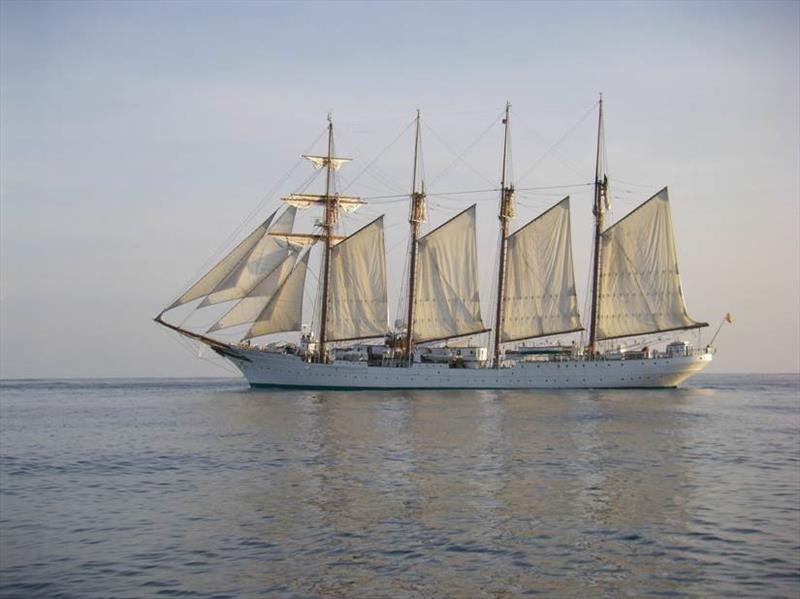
x,y
539,295
447,302
640,288
358,307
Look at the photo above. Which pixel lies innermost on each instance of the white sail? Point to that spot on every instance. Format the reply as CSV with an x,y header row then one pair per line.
x,y
357,304
640,288
267,255
447,303
250,307
539,297
284,311
223,268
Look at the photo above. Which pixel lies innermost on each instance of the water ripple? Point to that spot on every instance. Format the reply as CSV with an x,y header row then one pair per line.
x,y
206,489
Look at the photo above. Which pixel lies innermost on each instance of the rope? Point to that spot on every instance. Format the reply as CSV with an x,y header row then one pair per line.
x,y
404,196
191,346
267,197
616,180
554,146
374,160
459,157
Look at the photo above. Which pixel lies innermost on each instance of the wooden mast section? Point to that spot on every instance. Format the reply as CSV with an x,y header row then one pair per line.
x,y
506,214
598,210
332,202
328,224
416,216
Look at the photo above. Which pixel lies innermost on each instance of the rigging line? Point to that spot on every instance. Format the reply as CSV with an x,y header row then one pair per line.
x,y
383,179
404,196
394,226
625,199
378,175
219,364
618,180
308,181
268,196
377,170
386,149
553,147
225,244
194,347
396,245
544,196
554,187
588,296
396,199
459,157
443,207
401,308
460,202
536,205
346,181
459,193
605,157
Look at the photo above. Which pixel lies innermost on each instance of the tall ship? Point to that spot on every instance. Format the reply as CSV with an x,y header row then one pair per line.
x,y
440,339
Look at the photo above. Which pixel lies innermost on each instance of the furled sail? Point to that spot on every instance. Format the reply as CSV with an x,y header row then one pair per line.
x,y
447,303
357,304
319,162
267,255
306,200
640,288
284,311
540,297
223,268
247,310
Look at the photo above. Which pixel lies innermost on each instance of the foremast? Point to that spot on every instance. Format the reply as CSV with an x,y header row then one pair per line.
x,y
506,214
417,215
598,210
332,202
328,224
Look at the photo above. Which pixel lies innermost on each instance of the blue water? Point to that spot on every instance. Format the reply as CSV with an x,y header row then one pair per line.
x,y
209,489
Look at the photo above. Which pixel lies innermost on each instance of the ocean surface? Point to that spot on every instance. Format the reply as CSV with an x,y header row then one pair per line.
x,y
131,488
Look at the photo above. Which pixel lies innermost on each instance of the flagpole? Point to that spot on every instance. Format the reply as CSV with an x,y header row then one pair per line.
x,y
727,318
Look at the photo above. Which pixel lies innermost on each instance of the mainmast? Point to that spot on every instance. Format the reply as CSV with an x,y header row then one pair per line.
x,y
506,214
416,216
600,186
328,224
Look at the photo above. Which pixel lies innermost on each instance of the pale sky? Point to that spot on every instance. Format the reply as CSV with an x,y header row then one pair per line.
x,y
135,138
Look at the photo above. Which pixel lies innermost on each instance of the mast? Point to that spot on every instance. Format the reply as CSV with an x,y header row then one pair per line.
x,y
329,223
416,216
506,214
597,210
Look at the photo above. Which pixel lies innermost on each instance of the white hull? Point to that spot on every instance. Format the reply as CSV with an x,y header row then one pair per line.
x,y
268,369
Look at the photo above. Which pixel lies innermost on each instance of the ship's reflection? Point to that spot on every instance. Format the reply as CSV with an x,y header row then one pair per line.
x,y
527,491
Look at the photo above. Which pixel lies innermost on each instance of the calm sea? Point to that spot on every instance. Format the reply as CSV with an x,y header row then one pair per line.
x,y
133,488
